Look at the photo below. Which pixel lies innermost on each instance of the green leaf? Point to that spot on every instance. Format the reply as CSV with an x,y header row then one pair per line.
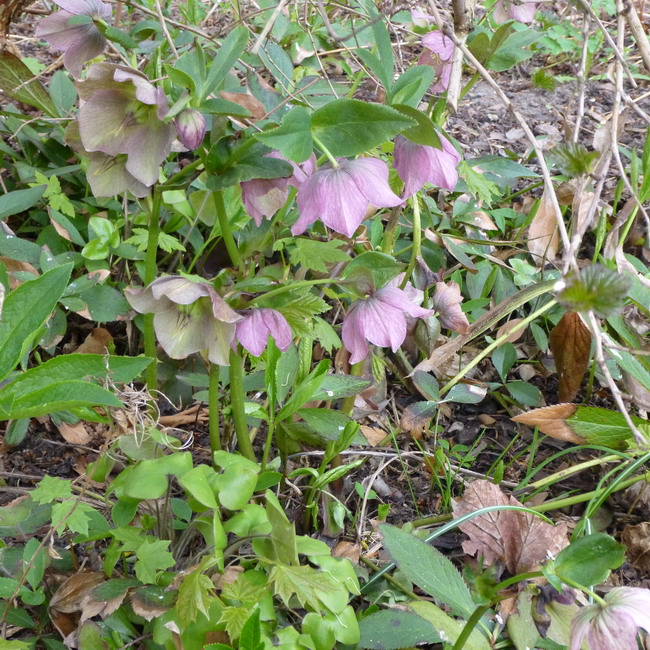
x,y
180,77
153,556
512,50
50,488
250,636
348,127
425,132
477,183
232,47
236,485
194,596
148,479
20,200
197,483
24,518
298,307
429,569
71,514
62,91
17,81
573,159
371,270
293,137
316,255
600,426
392,629
589,560
337,386
595,287
305,391
283,532
120,37
410,87
25,311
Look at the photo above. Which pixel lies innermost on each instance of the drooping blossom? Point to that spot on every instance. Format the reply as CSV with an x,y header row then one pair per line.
x,y
80,41
253,332
446,301
614,625
418,164
123,113
263,197
438,53
381,319
106,175
340,196
188,317
521,10
190,126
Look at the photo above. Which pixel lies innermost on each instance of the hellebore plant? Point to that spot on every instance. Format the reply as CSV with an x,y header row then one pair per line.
x,y
380,319
419,164
123,113
190,125
263,197
613,623
438,53
80,41
446,302
258,324
521,10
339,195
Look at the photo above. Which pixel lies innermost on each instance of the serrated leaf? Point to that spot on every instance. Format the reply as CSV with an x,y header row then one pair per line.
x,y
597,288
310,587
50,488
316,255
153,556
18,82
440,579
194,596
600,426
349,127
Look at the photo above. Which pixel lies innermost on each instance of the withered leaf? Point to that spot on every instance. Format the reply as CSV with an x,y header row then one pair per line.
x,y
75,434
543,236
570,343
637,540
551,421
247,101
97,342
518,539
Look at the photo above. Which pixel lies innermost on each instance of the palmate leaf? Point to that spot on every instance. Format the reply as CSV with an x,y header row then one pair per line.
x,y
316,255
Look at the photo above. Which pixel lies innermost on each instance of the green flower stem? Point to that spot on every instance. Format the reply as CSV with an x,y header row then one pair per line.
x,y
417,241
150,272
226,232
586,590
388,240
237,405
516,579
473,620
213,409
502,339
325,150
188,169
292,287
348,402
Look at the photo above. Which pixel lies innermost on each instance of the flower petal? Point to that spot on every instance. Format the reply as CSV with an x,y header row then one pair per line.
x,y
278,328
94,8
219,336
612,630
108,176
580,624
635,601
371,178
101,122
352,336
447,301
399,300
263,197
439,44
148,145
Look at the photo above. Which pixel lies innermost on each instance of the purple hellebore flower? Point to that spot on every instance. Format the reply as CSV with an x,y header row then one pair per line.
x,y
253,332
418,164
190,126
612,626
438,53
446,302
339,196
106,175
521,10
263,197
81,42
381,320
122,114
188,317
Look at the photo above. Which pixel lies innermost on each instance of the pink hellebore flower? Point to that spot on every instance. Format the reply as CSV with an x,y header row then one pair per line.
x,y
438,53
122,113
79,42
419,164
188,317
253,332
612,626
380,320
263,197
521,10
339,196
190,126
446,302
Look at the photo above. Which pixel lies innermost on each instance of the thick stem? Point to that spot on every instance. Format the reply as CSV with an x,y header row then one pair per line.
x,y
213,407
150,272
325,150
226,232
417,241
469,626
237,405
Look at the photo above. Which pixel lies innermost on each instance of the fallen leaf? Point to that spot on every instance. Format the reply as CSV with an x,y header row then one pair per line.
x,y
373,435
570,342
75,434
16,266
349,550
97,342
247,101
520,540
195,413
637,540
506,327
543,236
551,421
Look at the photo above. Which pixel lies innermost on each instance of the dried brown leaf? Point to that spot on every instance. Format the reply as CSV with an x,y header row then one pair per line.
x,y
69,596
570,343
16,266
637,540
543,236
374,435
247,101
97,342
520,540
551,421
349,550
506,327
75,434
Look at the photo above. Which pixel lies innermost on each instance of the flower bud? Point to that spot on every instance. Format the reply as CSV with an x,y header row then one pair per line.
x,y
190,126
